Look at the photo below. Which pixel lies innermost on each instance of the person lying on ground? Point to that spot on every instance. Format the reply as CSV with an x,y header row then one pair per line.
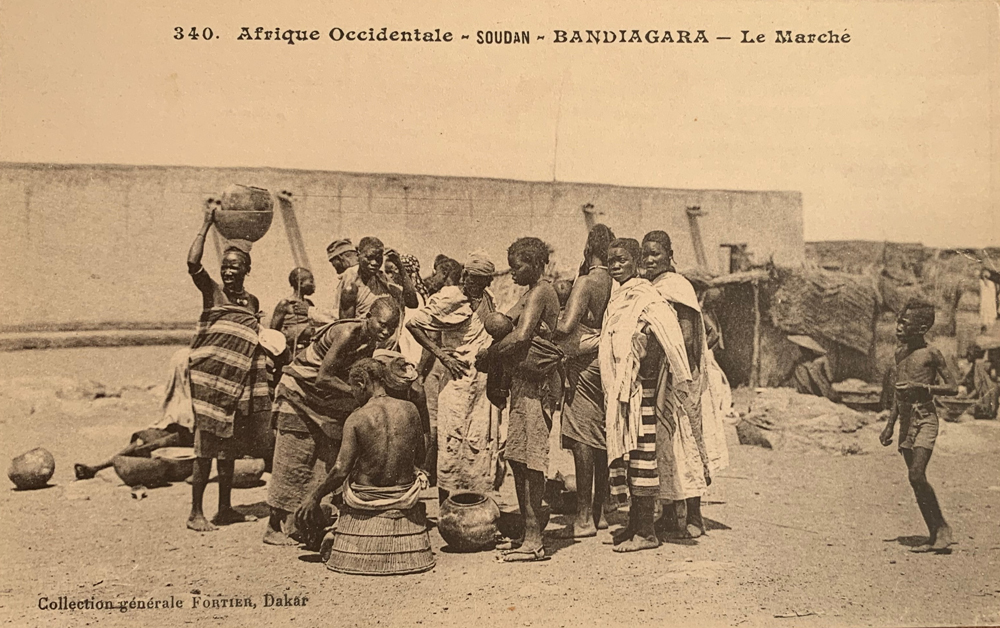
x,y
173,430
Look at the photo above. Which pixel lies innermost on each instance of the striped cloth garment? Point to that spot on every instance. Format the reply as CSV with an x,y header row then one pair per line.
x,y
228,370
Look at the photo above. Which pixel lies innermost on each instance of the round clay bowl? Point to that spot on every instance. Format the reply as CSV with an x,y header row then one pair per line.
x,y
135,471
246,213
32,470
180,461
247,472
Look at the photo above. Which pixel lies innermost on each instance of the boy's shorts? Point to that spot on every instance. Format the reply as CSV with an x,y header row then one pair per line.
x,y
918,426
208,445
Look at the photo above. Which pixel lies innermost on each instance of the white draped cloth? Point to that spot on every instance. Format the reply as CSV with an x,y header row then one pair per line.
x,y
634,304
716,396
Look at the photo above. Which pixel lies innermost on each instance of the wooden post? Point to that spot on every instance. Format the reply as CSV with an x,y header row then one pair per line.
x,y
693,213
292,230
219,243
755,360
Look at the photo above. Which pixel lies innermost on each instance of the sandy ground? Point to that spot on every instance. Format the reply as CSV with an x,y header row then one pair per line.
x,y
796,539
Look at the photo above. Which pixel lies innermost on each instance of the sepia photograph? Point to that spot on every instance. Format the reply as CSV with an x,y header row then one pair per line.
x,y
519,314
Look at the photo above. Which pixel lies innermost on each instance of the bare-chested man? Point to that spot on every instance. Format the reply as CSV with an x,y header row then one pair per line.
x,y
366,282
312,403
383,442
917,368
583,415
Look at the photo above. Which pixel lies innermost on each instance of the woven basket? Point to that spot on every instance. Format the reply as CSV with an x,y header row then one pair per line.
x,y
387,543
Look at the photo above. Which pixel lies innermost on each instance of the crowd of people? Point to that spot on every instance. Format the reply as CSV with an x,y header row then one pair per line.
x,y
414,381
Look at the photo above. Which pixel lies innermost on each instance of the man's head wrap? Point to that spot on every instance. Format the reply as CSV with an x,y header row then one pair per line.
x,y
400,373
339,247
411,266
477,264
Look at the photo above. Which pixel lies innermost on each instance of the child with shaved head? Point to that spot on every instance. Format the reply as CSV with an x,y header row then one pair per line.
x,y
918,367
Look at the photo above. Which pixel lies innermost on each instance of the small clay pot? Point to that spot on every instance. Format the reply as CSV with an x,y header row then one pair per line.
x,y
32,470
468,522
136,471
247,472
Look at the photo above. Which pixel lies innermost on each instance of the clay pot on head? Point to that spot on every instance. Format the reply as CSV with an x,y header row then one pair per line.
x,y
32,470
247,472
246,213
136,471
468,522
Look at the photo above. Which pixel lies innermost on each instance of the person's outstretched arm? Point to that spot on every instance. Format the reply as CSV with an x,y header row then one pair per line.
x,y
309,515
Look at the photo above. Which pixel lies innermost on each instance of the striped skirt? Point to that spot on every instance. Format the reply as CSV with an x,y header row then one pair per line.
x,y
636,473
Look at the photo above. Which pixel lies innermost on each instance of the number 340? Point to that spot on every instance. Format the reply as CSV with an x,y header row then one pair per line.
x,y
205,33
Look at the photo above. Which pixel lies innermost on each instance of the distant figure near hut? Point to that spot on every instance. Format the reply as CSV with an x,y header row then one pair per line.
x,y
812,374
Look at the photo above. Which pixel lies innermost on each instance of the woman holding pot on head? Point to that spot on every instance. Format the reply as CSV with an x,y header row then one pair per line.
x,y
451,327
530,359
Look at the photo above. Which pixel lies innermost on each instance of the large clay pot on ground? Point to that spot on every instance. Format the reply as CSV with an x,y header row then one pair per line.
x,y
32,469
180,461
247,472
136,471
468,522
246,213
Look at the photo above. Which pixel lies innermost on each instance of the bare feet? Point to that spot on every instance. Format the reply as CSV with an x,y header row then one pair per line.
x,y
277,537
922,549
694,531
637,543
83,472
522,555
944,539
230,516
602,522
573,531
620,536
198,523
506,545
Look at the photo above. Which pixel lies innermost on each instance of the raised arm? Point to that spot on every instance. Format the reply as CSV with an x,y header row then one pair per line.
x,y
326,380
198,246
309,515
409,290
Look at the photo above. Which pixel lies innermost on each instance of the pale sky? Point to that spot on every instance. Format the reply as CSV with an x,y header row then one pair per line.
x,y
892,136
